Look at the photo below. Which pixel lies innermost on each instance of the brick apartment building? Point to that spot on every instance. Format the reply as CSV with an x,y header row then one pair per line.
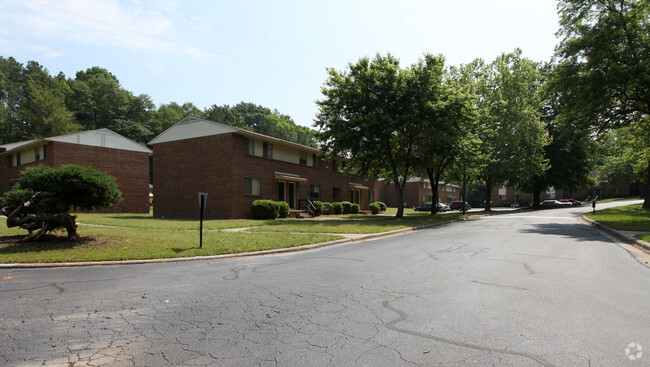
x,y
418,191
506,195
236,167
101,149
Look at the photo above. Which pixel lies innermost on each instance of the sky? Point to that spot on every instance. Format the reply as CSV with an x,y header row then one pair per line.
x,y
271,53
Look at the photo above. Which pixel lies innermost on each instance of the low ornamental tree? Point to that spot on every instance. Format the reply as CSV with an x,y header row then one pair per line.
x,y
43,198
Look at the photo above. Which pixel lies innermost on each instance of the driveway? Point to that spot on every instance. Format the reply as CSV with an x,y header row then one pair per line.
x,y
524,289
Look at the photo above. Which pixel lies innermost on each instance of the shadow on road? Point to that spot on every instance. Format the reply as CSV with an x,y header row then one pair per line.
x,y
576,231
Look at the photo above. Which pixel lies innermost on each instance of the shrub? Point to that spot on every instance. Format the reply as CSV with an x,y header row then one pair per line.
x,y
355,209
283,209
375,208
346,207
327,208
338,208
319,208
382,206
265,209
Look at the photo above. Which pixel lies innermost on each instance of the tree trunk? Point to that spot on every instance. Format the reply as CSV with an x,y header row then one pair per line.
x,y
646,201
400,200
434,191
16,217
464,189
488,195
537,191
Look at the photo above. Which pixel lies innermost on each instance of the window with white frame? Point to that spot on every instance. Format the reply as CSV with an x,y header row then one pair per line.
x,y
252,186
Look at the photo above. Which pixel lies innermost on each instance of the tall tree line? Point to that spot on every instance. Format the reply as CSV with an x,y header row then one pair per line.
x,y
35,104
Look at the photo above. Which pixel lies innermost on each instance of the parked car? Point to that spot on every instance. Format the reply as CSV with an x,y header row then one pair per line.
x,y
458,205
424,208
572,201
427,207
555,204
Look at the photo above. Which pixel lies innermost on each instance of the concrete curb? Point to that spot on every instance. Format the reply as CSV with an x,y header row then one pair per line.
x,y
225,256
621,236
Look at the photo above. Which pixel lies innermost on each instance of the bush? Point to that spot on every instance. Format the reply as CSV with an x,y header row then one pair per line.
x,y
338,208
355,209
382,206
346,207
283,209
327,208
319,208
375,208
265,209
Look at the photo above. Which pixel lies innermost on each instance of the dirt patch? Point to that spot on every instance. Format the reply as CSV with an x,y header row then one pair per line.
x,y
51,242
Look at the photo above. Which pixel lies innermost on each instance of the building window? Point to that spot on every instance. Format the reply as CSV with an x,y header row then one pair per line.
x,y
249,146
371,196
315,160
336,193
267,149
44,151
37,154
314,191
343,164
502,197
17,159
335,165
303,158
252,186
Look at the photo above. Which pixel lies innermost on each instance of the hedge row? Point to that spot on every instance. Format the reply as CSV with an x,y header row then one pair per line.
x,y
269,209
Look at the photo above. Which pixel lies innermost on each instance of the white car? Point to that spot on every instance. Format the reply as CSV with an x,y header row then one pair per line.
x,y
555,204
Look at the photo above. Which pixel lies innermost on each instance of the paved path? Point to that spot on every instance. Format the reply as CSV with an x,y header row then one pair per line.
x,y
526,289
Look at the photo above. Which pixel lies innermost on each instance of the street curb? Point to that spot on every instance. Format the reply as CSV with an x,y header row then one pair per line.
x,y
621,236
226,256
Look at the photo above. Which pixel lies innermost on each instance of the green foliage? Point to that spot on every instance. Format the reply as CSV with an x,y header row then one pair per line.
x,y
328,208
283,209
355,209
319,207
604,73
338,208
346,207
382,206
265,209
64,188
375,208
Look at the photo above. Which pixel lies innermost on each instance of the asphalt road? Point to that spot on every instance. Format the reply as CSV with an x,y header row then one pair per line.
x,y
526,289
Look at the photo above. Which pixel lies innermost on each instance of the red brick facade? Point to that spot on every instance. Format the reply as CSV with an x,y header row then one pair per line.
x,y
130,169
218,165
416,193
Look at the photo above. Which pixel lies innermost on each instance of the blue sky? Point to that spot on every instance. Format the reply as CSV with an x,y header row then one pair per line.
x,y
272,53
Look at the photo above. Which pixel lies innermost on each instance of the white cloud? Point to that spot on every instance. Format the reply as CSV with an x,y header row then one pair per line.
x,y
93,22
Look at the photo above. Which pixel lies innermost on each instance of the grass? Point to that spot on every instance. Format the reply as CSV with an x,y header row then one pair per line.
x,y
113,237
366,224
625,218
111,244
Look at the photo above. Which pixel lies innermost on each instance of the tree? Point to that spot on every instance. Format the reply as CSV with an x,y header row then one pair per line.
x,y
366,115
168,114
509,107
603,73
446,113
44,196
98,101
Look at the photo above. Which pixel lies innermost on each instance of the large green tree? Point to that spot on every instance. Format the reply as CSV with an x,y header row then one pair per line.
x,y
603,73
445,109
509,106
367,115
99,101
44,196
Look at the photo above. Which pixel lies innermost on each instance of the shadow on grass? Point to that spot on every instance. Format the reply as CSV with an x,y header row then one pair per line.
x,y
15,244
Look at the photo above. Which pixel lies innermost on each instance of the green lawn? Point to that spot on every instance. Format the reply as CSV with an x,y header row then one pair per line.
x,y
107,237
625,218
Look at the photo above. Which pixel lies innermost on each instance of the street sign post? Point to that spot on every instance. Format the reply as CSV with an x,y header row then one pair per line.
x,y
203,198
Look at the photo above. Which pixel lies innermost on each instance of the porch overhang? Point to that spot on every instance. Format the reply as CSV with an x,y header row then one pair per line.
x,y
281,176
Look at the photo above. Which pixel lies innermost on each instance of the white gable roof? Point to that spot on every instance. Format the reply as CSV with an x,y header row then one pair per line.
x,y
98,138
192,127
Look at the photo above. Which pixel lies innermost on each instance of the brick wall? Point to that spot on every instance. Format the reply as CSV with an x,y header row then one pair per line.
x,y
130,169
217,165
